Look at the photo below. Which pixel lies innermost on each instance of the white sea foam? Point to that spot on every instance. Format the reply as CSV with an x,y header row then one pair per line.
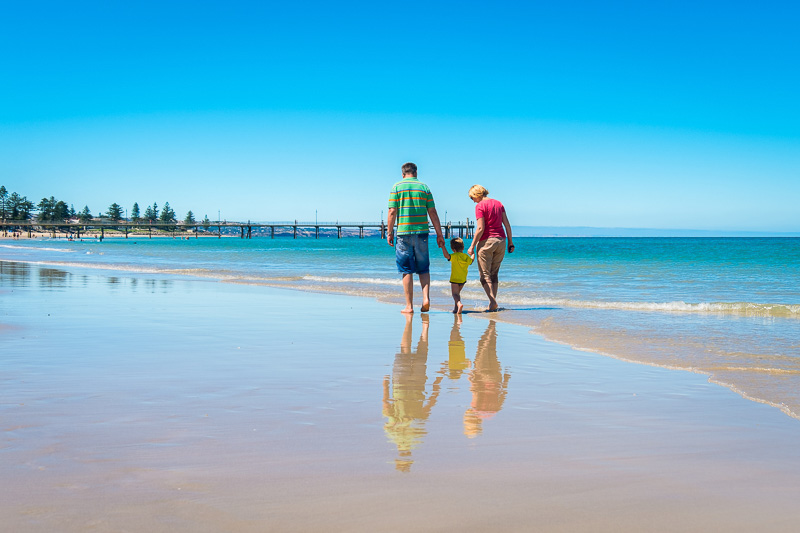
x,y
99,266
747,308
37,248
394,281
348,280
742,308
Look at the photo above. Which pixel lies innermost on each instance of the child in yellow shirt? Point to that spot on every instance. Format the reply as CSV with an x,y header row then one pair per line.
x,y
459,264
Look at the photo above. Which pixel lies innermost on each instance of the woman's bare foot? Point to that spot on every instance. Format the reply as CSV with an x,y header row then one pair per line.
x,y
407,310
459,308
425,307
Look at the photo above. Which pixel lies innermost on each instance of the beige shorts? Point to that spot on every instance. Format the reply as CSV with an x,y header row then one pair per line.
x,y
490,254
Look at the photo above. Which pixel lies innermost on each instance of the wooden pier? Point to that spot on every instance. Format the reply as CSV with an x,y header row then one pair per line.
x,y
243,229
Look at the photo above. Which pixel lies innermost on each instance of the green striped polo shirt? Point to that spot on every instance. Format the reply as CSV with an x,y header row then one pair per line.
x,y
412,198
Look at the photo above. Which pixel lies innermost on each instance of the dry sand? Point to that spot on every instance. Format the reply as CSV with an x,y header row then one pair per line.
x,y
160,404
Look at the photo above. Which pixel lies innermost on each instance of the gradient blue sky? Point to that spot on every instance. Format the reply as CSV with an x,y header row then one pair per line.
x,y
612,114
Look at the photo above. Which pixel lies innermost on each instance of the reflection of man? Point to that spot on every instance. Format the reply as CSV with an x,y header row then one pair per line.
x,y
404,404
488,384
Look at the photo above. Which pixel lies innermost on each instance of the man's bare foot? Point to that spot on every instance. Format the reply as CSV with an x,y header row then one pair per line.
x,y
425,307
408,310
493,307
459,307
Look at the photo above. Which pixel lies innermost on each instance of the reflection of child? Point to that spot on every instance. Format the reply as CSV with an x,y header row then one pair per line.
x,y
457,361
459,264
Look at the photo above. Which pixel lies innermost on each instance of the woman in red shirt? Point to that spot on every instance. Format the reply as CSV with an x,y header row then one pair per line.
x,y
490,238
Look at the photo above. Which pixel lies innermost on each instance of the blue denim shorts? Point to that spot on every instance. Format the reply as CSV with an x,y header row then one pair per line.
x,y
412,254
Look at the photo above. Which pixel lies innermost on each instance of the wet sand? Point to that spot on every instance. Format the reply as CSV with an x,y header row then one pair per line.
x,y
147,403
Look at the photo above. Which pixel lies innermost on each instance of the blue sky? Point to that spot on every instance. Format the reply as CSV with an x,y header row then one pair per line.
x,y
612,114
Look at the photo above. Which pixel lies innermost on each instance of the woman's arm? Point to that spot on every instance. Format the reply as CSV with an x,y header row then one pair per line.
x,y
507,226
480,226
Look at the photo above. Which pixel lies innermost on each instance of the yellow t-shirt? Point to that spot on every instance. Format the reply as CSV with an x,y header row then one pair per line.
x,y
459,264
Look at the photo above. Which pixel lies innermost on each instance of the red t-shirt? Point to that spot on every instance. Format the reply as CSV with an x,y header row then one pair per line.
x,y
492,212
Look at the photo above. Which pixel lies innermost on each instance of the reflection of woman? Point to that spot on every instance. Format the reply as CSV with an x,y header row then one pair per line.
x,y
488,383
490,237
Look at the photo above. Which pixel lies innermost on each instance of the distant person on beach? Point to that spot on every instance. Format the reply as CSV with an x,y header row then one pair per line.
x,y
410,205
459,265
489,240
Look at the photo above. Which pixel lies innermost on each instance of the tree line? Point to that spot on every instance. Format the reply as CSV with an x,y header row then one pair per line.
x,y
14,207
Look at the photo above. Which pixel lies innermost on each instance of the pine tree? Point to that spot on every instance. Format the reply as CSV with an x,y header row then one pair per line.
x,y
114,212
151,213
189,220
60,211
46,209
3,197
167,214
13,206
206,222
85,215
23,208
135,212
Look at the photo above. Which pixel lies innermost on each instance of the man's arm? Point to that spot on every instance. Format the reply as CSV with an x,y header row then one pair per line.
x,y
507,225
434,216
390,225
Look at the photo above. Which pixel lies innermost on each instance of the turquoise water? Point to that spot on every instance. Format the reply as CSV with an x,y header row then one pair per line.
x,y
727,307
744,276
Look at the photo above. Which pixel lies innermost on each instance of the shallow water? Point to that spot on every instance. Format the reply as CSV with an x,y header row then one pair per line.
x,y
728,307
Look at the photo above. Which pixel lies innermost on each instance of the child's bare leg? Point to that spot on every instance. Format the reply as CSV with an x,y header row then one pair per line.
x,y
408,291
425,283
455,290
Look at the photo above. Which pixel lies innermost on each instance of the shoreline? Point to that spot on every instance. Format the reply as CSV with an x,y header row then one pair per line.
x,y
621,349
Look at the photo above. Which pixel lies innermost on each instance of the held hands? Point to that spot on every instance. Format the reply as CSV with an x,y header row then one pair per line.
x,y
390,238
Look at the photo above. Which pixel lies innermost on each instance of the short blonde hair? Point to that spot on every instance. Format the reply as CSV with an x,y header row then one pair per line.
x,y
478,191
457,245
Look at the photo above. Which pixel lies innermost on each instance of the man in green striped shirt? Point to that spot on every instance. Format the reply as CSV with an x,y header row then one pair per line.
x,y
410,206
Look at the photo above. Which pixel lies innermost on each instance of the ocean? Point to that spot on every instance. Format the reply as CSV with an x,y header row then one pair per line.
x,y
725,307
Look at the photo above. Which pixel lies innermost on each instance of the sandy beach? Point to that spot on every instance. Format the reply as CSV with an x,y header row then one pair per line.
x,y
137,402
